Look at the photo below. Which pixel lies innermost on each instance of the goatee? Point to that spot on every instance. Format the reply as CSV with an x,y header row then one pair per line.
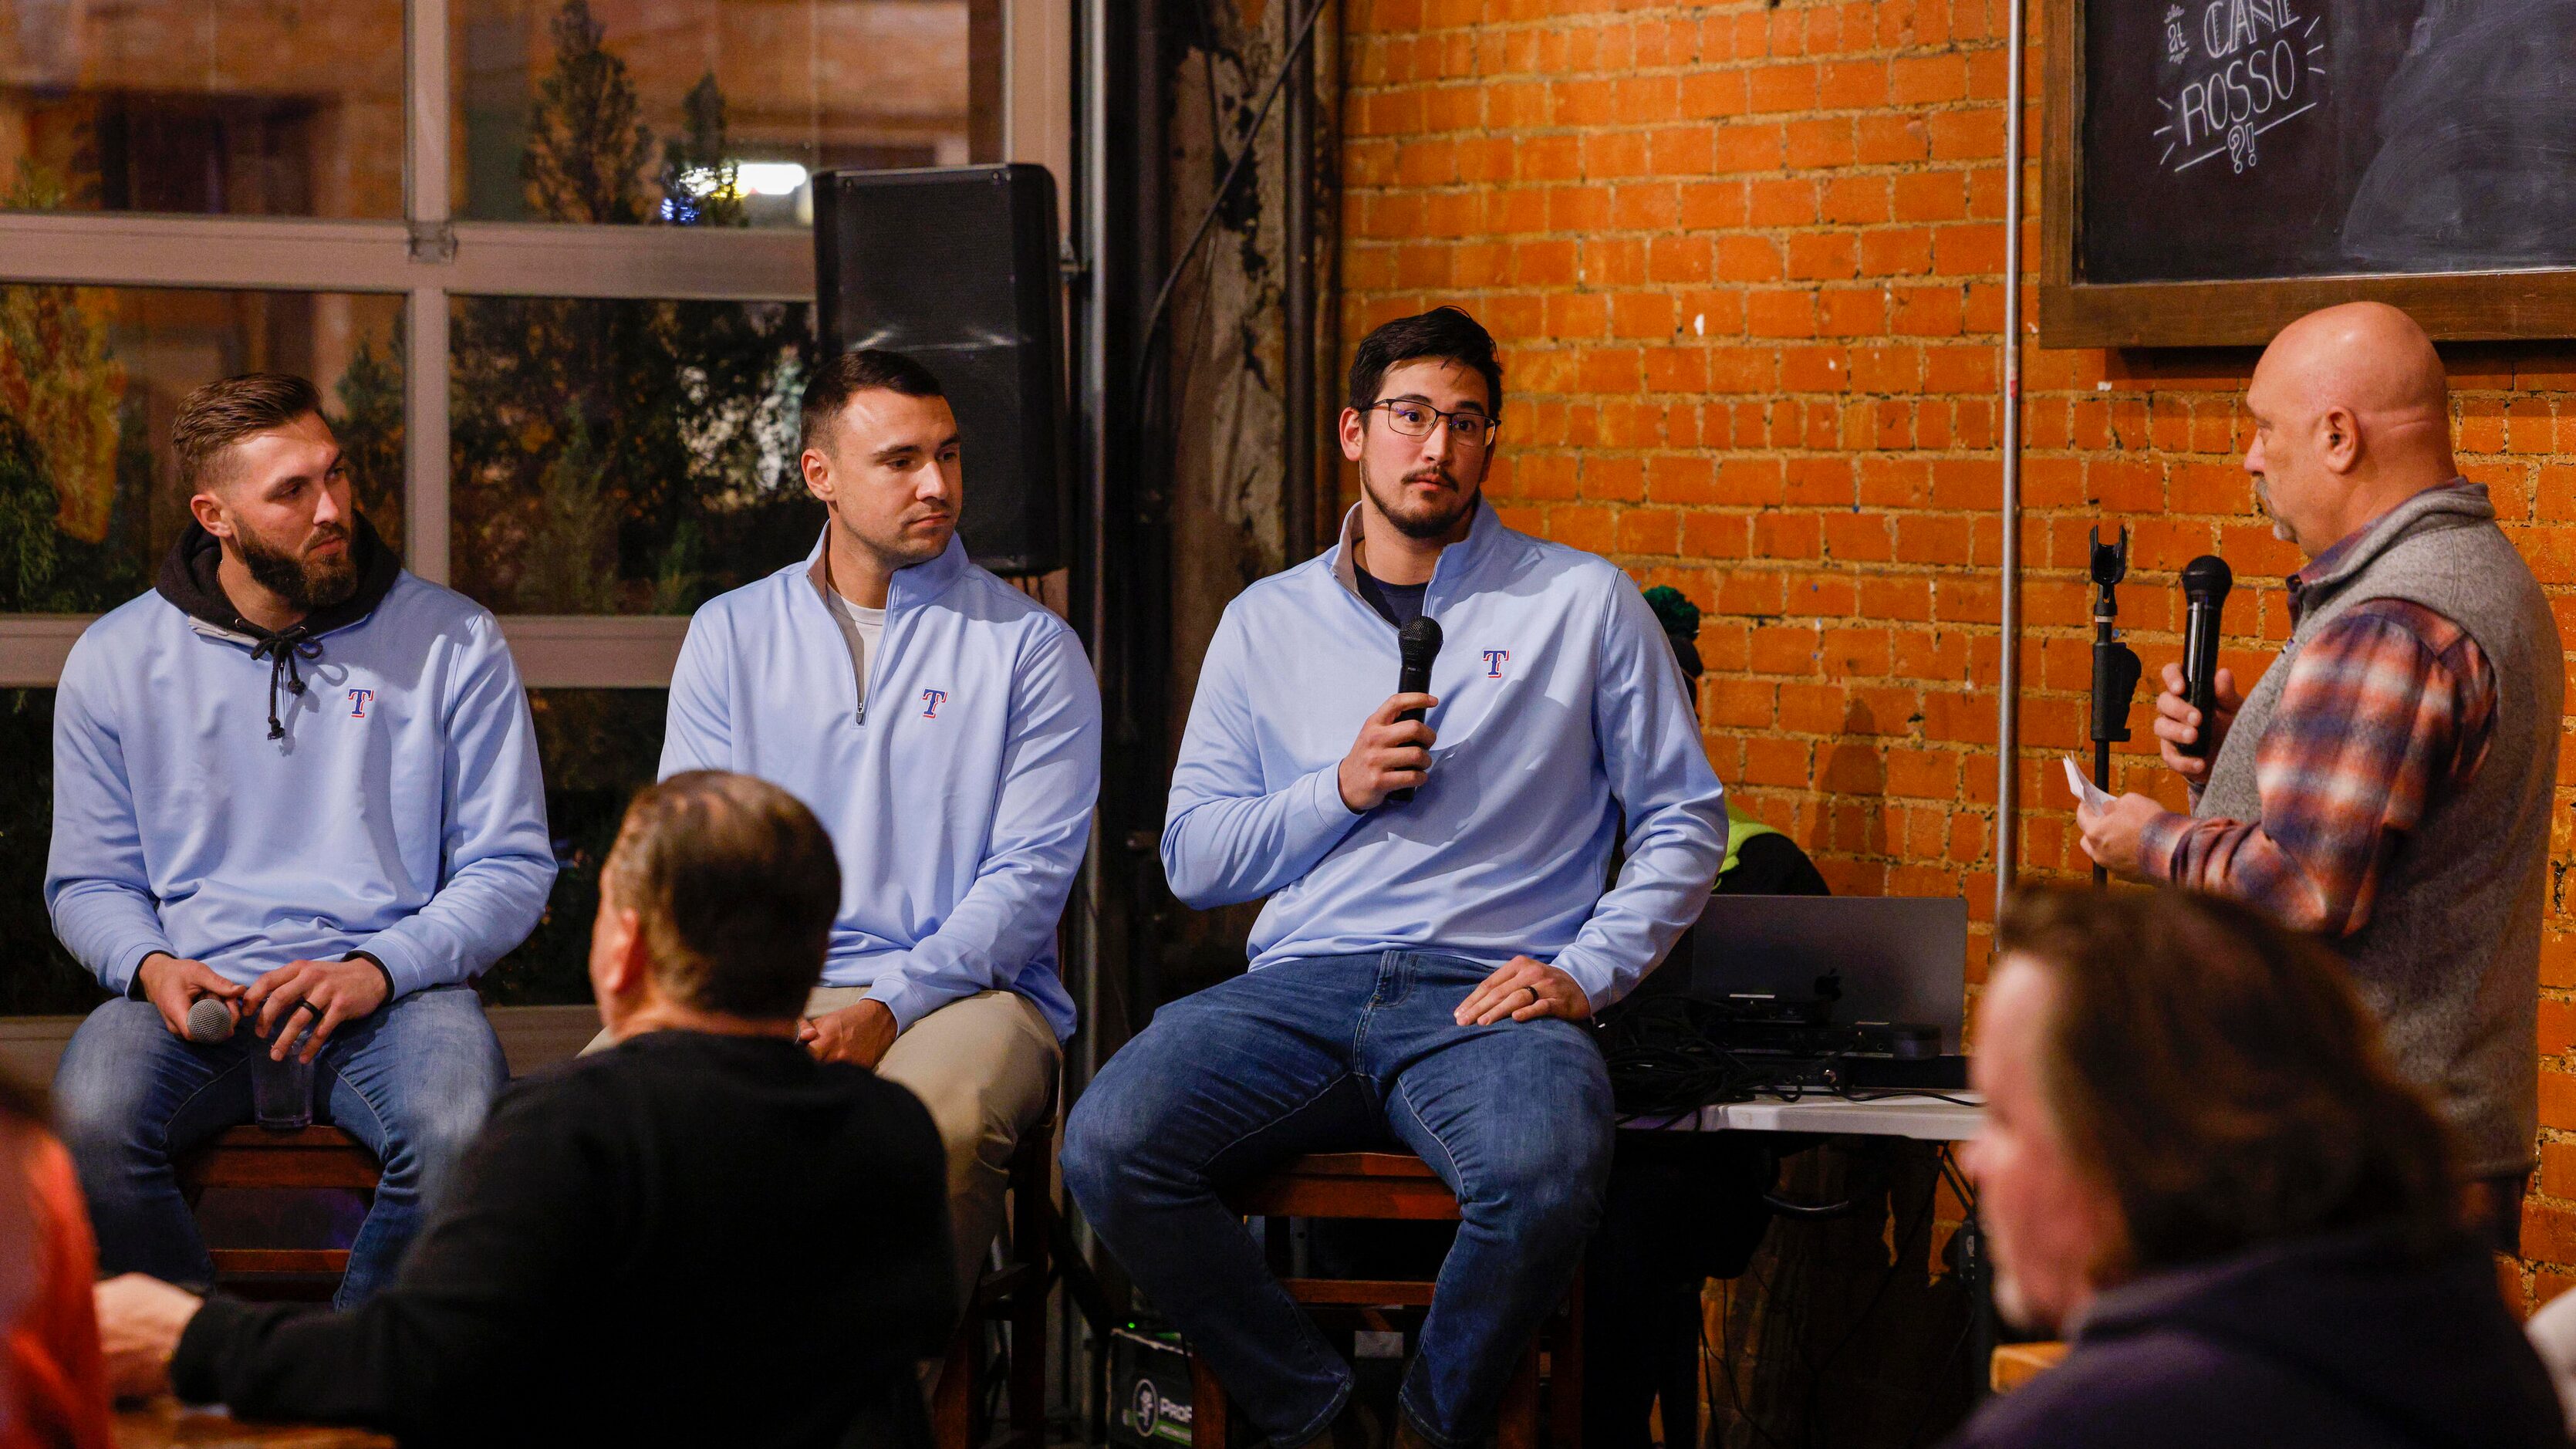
x,y
300,582
2263,503
1425,522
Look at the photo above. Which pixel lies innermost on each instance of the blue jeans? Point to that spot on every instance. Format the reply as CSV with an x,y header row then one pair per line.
x,y
411,1082
1334,1053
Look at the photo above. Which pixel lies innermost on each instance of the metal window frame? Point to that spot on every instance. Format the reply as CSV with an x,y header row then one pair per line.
x,y
429,258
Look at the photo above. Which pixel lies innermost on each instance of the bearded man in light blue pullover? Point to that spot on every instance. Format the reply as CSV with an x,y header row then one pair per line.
x,y
1421,969
945,728
301,782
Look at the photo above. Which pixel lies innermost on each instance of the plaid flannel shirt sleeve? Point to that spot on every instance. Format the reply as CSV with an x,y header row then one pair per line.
x,y
2385,705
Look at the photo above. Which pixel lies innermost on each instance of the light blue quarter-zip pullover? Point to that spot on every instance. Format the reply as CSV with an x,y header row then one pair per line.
x,y
1561,708
958,795
399,812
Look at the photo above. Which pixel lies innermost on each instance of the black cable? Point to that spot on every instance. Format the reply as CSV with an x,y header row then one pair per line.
x,y
1901,1242
1726,1361
1216,204
1665,1060
1932,1397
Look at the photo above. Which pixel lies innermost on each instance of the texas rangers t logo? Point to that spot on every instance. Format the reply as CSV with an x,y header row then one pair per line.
x,y
931,699
358,702
1495,659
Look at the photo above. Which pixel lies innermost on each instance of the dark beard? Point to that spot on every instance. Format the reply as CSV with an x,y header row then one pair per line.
x,y
1420,526
302,584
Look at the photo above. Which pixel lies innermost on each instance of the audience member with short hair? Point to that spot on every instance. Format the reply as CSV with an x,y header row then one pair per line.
x,y
2200,1164
299,782
702,1235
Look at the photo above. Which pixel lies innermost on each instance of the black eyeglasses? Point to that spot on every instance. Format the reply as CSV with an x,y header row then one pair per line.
x,y
1417,419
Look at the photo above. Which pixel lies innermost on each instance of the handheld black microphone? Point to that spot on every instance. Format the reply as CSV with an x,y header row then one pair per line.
x,y
1416,644
2205,582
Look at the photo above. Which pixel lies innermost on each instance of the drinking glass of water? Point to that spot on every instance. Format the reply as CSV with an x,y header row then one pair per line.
x,y
281,1093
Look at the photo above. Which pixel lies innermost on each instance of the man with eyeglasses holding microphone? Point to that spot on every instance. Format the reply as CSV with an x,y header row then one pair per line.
x,y
1436,925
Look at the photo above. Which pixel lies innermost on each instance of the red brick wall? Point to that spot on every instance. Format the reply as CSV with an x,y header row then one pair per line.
x,y
1745,261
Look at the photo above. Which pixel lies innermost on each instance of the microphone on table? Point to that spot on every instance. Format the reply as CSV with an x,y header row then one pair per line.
x,y
2205,582
209,1021
1416,645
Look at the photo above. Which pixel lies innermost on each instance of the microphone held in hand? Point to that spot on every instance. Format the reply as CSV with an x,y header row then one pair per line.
x,y
1416,645
209,1021
2205,582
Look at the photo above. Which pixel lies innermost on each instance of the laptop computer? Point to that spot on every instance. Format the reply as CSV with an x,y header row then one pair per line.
x,y
1894,958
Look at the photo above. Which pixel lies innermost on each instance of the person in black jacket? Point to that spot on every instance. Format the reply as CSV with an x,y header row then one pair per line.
x,y
702,1235
2198,1161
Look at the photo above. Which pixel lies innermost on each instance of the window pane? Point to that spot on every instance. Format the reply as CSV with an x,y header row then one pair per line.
x,y
90,378
600,746
711,111
624,457
41,977
245,107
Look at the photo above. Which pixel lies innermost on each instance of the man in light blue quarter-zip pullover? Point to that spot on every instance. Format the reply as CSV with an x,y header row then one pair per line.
x,y
1422,964
945,728
299,782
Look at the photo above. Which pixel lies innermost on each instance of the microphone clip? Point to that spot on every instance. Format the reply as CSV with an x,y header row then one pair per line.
x,y
2110,563
2115,665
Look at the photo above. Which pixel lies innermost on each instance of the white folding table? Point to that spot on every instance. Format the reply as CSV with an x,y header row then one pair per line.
x,y
1950,1117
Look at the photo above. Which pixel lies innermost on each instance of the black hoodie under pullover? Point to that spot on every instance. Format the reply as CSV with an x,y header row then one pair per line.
x,y
190,582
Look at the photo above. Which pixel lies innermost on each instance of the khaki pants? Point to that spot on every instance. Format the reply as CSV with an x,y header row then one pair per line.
x,y
986,1068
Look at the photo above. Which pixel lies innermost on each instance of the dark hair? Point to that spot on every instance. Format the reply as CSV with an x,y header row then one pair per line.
x,y
2217,1074
1443,332
737,888
1680,618
865,370
222,413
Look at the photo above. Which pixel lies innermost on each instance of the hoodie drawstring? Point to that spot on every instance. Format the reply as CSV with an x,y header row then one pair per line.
x,y
281,650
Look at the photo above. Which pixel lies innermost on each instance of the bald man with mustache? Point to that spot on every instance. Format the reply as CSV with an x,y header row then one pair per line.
x,y
2387,782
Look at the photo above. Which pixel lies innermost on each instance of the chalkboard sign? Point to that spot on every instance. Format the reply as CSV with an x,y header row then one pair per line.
x,y
2217,167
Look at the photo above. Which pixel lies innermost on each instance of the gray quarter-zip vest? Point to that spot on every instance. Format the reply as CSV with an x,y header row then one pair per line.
x,y
2450,958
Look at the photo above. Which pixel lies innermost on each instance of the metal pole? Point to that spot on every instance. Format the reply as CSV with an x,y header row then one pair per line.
x,y
1084,1368
433,244
1297,485
2008,688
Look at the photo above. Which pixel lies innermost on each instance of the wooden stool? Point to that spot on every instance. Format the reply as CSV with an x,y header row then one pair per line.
x,y
1396,1186
160,1423
2016,1364
1016,1294
310,1157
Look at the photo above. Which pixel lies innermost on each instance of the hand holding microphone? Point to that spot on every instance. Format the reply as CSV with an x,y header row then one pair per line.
x,y
210,1021
1393,752
2200,698
189,996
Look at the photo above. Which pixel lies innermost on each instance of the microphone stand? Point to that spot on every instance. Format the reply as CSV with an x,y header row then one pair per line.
x,y
2115,665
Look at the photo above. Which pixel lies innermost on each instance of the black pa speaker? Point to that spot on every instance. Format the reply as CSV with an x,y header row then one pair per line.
x,y
956,268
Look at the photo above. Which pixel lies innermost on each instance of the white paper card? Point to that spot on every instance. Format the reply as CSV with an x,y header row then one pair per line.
x,y
2093,796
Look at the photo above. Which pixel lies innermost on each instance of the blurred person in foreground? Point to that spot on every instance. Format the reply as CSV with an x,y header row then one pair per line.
x,y
2200,1165
53,1387
701,1235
